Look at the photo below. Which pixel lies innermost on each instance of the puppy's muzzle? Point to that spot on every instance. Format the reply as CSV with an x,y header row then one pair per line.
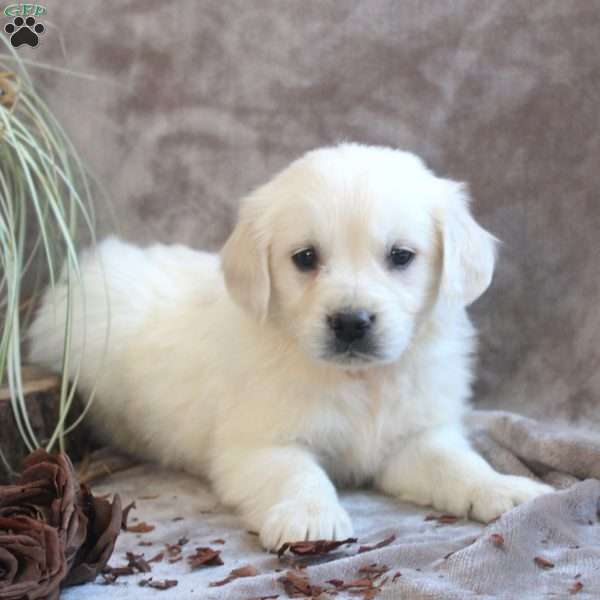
x,y
349,327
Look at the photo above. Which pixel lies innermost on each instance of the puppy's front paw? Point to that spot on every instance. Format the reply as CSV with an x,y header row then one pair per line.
x,y
299,520
489,497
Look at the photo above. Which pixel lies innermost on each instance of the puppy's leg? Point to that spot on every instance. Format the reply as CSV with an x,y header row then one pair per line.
x,y
438,468
282,493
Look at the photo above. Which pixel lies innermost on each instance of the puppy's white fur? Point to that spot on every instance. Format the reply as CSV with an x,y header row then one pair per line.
x,y
219,365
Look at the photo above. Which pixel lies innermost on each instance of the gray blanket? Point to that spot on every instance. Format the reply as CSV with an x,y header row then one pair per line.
x,y
549,547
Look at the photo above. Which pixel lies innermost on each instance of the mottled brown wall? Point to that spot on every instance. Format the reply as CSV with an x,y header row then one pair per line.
x,y
195,102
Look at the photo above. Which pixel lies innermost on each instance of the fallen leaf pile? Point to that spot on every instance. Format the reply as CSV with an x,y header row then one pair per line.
x,y
137,563
366,586
53,531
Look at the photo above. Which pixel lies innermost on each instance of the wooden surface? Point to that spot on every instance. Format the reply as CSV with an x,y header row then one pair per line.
x,y
42,391
35,379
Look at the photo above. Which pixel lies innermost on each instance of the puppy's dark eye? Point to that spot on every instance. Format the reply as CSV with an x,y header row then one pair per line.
x,y
400,257
305,260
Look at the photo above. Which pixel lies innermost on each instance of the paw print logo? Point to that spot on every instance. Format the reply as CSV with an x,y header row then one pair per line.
x,y
24,31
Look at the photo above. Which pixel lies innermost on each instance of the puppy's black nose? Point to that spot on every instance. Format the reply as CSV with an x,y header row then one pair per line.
x,y
351,326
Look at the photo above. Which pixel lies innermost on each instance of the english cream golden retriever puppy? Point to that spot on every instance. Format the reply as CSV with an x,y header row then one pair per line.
x,y
328,342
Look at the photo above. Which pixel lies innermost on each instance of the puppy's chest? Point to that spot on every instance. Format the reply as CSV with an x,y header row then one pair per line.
x,y
359,427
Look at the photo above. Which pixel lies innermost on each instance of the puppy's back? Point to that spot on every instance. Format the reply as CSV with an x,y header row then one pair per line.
x,y
118,288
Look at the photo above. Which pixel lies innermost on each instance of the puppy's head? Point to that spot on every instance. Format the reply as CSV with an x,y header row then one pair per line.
x,y
349,248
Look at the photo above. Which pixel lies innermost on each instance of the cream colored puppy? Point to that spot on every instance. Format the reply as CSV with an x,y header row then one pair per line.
x,y
327,343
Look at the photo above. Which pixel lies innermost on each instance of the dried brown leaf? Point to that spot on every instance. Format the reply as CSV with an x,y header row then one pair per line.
x,y
173,549
299,586
157,558
137,561
367,594
205,557
374,570
497,540
543,563
165,584
576,588
109,578
386,542
447,519
313,548
444,518
365,587
363,582
119,571
141,527
247,571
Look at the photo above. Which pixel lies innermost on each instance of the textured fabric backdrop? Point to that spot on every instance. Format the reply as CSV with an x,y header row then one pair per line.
x,y
194,102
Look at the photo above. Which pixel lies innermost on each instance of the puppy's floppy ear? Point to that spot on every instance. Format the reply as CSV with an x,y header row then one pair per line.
x,y
245,263
469,251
